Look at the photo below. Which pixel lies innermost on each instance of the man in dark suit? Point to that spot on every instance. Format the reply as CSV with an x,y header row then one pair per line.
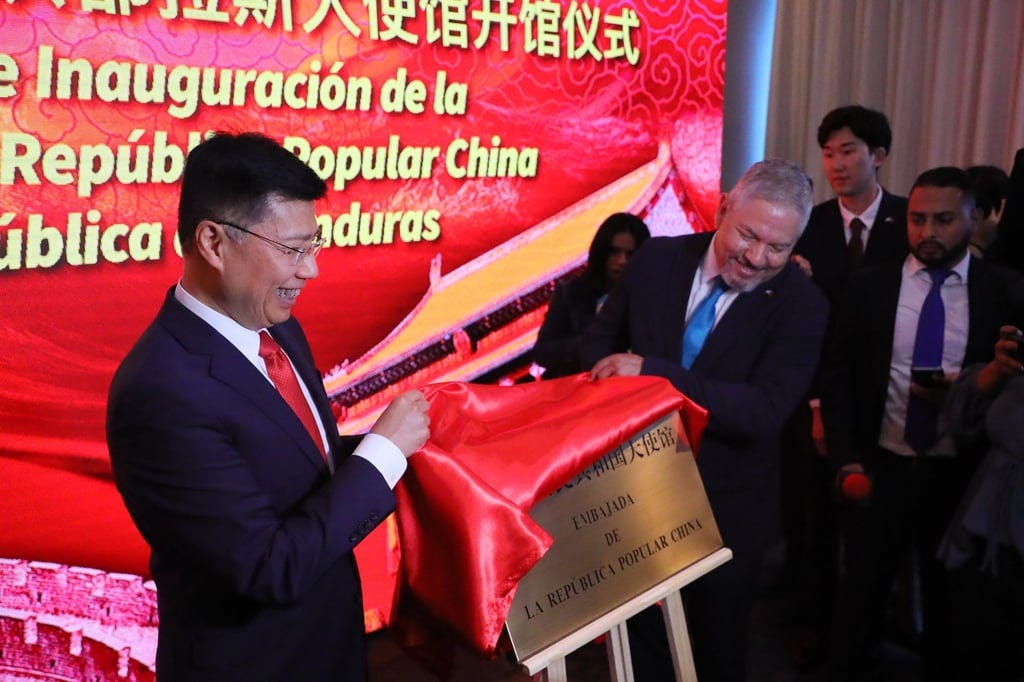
x,y
1008,249
763,321
940,307
225,450
863,225
855,143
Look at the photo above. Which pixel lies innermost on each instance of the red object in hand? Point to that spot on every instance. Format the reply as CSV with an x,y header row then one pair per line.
x,y
855,486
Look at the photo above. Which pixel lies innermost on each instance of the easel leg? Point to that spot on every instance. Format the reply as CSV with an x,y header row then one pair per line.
x,y
555,672
620,662
678,638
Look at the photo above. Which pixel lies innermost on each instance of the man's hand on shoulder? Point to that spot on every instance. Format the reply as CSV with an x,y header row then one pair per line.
x,y
617,365
803,263
405,422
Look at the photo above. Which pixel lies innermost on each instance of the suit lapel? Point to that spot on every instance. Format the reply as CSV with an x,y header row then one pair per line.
x,y
884,231
885,300
830,257
744,314
309,375
887,211
678,287
231,368
835,235
985,311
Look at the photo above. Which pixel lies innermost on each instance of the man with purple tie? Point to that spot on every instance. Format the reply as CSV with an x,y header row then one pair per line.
x,y
904,330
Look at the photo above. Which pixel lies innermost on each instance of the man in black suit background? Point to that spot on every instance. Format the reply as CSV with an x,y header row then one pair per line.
x,y
939,307
1009,247
863,225
733,324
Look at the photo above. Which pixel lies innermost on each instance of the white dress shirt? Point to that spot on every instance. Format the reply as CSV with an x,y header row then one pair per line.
x,y
914,287
867,216
702,286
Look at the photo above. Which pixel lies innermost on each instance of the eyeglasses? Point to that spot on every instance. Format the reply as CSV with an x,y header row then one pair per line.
x,y
297,254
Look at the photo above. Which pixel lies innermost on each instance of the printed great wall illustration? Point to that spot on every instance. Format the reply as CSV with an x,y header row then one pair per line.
x,y
62,622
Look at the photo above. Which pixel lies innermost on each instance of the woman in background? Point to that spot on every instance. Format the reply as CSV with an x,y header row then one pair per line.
x,y
576,301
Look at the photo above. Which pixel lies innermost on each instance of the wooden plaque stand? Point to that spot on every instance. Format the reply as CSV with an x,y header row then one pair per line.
x,y
548,665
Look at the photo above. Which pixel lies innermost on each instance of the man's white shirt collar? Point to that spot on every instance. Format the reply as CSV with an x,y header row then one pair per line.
x,y
914,266
245,340
867,216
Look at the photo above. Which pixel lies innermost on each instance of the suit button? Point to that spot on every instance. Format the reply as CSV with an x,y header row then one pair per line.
x,y
353,537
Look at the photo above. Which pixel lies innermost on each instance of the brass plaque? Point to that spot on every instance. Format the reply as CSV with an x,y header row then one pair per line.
x,y
632,519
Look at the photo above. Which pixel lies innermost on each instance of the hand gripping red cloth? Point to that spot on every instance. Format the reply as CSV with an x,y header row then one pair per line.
x,y
463,506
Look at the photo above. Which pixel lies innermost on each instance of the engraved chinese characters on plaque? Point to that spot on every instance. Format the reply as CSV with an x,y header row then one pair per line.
x,y
629,521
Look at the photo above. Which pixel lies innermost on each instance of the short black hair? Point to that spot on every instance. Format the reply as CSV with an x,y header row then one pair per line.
x,y
601,245
232,176
947,176
866,124
991,186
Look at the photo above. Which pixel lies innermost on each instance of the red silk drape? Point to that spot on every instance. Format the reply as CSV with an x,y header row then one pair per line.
x,y
463,506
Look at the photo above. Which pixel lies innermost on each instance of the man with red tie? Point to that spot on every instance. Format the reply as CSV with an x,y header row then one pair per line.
x,y
224,447
862,225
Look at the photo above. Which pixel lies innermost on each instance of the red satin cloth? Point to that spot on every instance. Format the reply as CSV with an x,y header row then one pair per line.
x,y
463,506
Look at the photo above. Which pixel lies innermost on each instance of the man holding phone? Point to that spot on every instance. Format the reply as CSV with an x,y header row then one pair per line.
x,y
904,330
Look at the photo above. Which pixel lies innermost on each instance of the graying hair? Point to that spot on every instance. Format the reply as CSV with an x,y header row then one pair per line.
x,y
777,181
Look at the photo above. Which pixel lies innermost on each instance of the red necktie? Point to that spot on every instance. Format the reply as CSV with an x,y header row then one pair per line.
x,y
283,376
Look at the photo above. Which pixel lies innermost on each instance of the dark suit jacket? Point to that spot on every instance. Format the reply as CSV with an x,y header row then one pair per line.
x,y
1008,249
251,536
755,366
857,362
572,309
823,242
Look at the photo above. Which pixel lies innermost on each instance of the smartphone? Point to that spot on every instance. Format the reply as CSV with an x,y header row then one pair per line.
x,y
926,376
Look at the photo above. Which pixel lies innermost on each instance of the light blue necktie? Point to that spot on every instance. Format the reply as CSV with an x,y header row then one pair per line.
x,y
701,322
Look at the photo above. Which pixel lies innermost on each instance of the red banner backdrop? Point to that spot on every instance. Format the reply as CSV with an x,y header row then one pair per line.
x,y
447,131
